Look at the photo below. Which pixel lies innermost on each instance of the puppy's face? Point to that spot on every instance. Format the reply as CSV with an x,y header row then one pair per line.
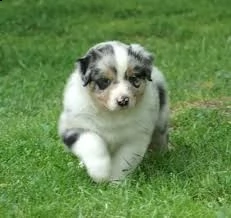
x,y
116,74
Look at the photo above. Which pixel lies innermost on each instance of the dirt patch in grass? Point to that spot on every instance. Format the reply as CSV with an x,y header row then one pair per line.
x,y
223,104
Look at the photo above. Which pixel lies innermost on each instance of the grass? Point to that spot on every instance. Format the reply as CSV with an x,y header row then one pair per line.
x,y
39,42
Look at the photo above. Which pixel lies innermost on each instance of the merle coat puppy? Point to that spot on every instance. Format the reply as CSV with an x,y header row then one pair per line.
x,y
115,108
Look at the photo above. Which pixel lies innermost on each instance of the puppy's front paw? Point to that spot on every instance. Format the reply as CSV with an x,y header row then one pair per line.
x,y
100,169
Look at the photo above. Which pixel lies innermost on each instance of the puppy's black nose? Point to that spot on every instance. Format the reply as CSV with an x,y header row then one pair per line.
x,y
123,101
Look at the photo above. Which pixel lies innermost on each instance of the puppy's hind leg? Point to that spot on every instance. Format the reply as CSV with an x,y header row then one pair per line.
x,y
92,151
160,136
160,139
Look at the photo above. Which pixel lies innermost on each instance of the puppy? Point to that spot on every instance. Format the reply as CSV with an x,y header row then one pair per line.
x,y
115,108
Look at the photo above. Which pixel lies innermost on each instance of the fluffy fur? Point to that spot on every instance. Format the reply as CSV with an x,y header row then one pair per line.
x,y
115,107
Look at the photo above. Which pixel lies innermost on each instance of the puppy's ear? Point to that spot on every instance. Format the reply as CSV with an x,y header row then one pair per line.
x,y
143,57
140,53
85,63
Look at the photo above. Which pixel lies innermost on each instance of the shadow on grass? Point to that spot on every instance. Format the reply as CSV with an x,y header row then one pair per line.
x,y
181,162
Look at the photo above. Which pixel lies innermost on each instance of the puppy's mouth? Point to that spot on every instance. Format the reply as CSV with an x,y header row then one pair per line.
x,y
123,105
118,109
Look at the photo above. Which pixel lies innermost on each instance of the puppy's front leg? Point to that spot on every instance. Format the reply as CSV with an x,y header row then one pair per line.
x,y
126,159
92,151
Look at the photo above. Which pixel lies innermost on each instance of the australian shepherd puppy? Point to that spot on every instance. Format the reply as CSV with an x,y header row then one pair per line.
x,y
115,108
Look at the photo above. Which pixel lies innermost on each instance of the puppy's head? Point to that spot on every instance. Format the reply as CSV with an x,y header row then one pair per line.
x,y
116,74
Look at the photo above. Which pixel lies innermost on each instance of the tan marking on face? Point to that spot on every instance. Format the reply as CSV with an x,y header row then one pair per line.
x,y
109,73
139,92
130,72
107,98
136,92
101,97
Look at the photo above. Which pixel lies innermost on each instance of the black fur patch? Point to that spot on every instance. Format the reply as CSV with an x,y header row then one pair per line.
x,y
71,136
105,49
162,96
84,62
140,57
87,63
143,72
142,61
134,54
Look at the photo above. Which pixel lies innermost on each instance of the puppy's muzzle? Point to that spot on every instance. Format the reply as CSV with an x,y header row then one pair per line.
x,y
123,101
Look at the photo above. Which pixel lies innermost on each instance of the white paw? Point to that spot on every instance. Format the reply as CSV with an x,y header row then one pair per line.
x,y
100,170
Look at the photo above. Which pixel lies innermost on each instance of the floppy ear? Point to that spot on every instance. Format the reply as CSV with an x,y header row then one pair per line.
x,y
84,64
140,53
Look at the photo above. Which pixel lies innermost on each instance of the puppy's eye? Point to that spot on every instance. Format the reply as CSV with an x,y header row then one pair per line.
x,y
103,83
135,81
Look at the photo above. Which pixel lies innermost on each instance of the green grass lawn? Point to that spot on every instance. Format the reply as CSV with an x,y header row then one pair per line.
x,y
39,42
